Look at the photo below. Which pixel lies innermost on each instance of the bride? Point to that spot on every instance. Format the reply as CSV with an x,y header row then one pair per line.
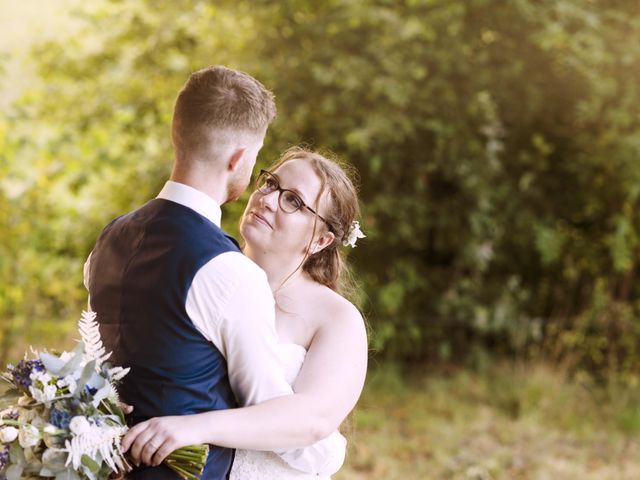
x,y
304,209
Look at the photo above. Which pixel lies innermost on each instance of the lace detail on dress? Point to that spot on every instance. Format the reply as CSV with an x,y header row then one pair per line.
x,y
256,465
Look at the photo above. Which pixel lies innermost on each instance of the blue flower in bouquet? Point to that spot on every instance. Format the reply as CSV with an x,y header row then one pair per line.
x,y
59,418
91,390
4,457
22,372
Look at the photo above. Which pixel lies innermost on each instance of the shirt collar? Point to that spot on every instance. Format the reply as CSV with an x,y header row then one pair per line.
x,y
193,199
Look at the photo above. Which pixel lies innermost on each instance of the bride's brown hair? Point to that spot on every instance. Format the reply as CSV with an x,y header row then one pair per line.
x,y
328,266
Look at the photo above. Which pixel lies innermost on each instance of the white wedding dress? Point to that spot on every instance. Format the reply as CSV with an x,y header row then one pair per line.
x,y
259,465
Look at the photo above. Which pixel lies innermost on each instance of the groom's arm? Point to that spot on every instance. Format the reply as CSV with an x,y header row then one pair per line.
x,y
231,304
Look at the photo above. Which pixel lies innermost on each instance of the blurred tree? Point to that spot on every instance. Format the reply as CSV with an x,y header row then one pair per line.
x,y
497,143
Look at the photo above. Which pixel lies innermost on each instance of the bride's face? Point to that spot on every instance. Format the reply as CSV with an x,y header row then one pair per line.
x,y
267,228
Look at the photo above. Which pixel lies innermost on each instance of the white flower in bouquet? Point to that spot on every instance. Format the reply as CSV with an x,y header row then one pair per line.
x,y
68,382
50,429
79,425
28,436
42,377
8,434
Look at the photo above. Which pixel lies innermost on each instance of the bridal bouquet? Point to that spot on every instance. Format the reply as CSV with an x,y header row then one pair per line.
x,y
60,417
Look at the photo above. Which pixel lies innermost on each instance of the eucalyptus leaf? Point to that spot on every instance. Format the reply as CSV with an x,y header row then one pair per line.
x,y
96,381
16,454
68,475
52,363
75,361
101,394
14,472
47,472
87,372
53,462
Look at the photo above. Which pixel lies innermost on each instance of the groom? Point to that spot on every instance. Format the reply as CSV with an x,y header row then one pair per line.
x,y
175,298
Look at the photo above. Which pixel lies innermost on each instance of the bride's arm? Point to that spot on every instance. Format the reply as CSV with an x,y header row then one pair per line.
x,y
326,390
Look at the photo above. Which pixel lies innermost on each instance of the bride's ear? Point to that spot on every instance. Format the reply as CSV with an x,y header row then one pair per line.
x,y
322,242
234,160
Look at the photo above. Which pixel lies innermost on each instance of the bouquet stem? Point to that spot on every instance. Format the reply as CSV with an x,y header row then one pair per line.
x,y
188,462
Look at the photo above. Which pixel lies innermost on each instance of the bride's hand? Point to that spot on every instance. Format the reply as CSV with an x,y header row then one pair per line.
x,y
152,441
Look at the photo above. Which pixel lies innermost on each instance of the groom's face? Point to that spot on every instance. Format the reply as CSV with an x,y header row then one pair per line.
x,y
240,180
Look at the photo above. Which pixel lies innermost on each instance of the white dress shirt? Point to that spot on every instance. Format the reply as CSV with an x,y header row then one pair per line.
x,y
231,304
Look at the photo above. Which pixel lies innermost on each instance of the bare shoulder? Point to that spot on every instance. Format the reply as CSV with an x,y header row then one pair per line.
x,y
331,309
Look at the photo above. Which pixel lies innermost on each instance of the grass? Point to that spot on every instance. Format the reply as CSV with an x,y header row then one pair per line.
x,y
509,422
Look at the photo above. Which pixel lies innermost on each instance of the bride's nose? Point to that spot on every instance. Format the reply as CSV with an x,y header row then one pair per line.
x,y
270,200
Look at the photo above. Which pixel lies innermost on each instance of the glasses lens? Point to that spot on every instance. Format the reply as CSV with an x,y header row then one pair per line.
x,y
290,202
266,183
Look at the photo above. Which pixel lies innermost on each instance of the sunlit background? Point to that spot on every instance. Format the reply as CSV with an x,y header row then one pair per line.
x,y
498,147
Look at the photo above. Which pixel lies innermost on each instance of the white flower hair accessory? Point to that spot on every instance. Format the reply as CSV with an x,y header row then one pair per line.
x,y
353,235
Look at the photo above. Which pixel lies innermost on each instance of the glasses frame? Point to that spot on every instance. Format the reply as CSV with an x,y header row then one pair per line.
x,y
280,190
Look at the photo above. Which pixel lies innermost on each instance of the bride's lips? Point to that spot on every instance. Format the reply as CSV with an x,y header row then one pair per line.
x,y
261,219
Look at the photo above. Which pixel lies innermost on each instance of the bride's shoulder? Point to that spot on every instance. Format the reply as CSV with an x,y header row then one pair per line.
x,y
331,307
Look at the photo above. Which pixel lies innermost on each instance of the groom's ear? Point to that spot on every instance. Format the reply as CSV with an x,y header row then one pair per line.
x,y
234,160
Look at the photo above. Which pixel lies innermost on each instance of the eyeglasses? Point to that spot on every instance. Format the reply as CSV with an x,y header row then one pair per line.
x,y
288,200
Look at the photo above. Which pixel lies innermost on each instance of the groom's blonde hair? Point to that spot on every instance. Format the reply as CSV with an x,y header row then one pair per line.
x,y
216,105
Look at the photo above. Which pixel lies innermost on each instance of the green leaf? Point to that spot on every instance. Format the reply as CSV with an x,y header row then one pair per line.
x,y
113,409
88,462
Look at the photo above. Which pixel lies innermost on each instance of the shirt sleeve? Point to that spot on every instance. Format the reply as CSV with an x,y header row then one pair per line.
x,y
231,304
85,279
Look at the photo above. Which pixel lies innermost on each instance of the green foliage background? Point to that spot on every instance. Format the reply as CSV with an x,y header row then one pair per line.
x,y
498,144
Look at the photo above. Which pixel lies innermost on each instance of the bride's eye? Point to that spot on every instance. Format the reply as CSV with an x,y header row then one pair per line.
x,y
270,184
293,200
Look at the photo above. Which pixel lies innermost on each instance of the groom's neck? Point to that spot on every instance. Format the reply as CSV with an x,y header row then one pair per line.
x,y
210,183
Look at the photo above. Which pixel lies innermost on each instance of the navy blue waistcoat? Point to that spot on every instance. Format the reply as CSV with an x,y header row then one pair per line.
x,y
141,269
